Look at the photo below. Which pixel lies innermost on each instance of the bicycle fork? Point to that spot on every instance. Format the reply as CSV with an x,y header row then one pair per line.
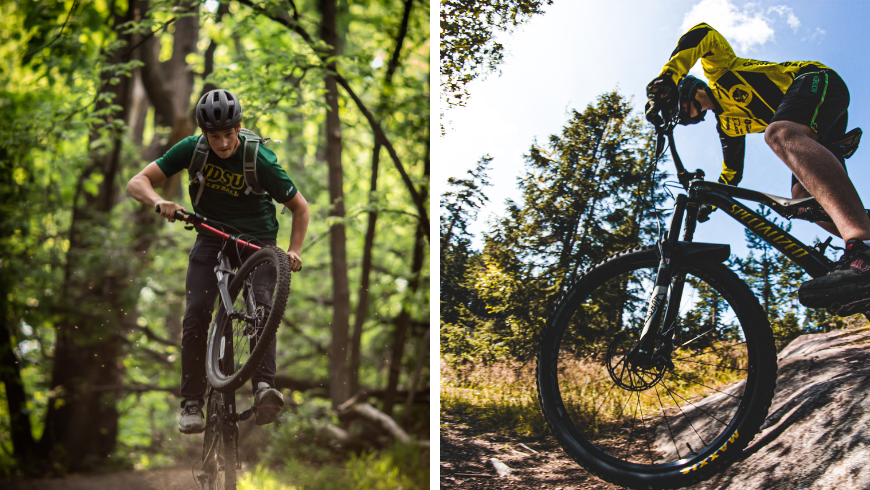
x,y
663,309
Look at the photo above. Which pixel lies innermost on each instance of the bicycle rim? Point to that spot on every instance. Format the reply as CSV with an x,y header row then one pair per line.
x,y
656,426
238,344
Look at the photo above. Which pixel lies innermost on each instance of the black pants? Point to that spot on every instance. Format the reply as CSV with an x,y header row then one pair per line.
x,y
201,293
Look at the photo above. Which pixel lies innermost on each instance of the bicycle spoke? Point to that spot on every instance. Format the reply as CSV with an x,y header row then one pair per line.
x,y
712,351
676,404
699,408
633,423
705,386
713,365
646,437
667,422
698,337
604,398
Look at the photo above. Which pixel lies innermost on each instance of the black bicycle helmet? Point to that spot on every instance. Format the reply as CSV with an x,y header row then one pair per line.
x,y
687,88
218,110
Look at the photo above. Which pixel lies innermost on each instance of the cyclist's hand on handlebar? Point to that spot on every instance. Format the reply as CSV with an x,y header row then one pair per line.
x,y
662,92
295,261
167,209
652,115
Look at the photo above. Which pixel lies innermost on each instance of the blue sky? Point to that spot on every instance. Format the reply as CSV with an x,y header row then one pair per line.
x,y
576,50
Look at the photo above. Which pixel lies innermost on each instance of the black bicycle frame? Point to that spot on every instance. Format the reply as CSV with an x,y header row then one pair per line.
x,y
724,197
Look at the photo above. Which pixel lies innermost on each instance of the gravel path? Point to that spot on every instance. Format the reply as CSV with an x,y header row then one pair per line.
x,y
466,451
163,479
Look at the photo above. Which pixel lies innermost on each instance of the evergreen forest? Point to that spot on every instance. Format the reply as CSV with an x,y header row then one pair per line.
x,y
590,191
92,282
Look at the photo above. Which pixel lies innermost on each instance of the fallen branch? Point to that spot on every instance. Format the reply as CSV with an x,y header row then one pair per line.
x,y
333,434
377,418
502,469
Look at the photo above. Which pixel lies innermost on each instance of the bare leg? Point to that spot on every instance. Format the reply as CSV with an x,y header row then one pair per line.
x,y
821,174
799,192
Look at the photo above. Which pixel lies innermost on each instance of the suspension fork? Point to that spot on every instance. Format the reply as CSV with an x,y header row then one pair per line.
x,y
660,305
678,280
224,272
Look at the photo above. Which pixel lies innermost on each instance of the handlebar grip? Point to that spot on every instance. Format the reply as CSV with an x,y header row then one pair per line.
x,y
177,216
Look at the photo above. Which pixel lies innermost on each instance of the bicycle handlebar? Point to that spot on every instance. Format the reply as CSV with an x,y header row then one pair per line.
x,y
197,220
666,129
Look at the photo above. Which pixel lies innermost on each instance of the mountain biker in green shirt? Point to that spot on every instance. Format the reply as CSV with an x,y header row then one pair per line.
x,y
802,109
223,198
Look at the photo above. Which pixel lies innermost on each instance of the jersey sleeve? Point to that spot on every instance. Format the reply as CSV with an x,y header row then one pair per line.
x,y
178,157
704,43
272,177
733,152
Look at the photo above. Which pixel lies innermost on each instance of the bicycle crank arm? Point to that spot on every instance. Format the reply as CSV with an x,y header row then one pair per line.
x,y
245,415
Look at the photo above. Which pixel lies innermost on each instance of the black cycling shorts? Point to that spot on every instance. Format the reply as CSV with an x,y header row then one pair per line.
x,y
820,100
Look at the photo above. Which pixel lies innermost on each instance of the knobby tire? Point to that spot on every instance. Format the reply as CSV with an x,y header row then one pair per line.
x,y
231,381
649,464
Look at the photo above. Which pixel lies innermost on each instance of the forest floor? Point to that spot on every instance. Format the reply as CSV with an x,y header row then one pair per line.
x,y
178,478
466,451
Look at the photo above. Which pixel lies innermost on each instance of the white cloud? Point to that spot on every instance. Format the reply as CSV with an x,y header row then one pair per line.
x,y
746,27
790,18
818,34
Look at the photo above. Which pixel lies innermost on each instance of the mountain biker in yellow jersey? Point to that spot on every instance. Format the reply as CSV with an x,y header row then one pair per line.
x,y
220,195
802,108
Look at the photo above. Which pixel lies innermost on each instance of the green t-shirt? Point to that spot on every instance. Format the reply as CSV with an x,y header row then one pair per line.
x,y
223,198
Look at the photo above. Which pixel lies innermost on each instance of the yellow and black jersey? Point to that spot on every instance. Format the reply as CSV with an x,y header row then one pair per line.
x,y
747,92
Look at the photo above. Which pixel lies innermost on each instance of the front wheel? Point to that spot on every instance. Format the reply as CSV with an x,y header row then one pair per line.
x,y
671,421
238,342
220,453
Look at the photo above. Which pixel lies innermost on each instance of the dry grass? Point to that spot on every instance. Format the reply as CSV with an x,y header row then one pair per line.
x,y
503,396
500,396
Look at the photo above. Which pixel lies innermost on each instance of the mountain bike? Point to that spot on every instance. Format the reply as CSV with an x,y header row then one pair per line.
x,y
251,305
657,366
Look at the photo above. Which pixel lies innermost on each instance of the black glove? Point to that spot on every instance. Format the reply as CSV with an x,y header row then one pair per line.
x,y
652,114
662,92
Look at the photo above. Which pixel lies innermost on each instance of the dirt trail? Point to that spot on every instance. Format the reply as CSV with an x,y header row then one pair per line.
x,y
465,451
164,479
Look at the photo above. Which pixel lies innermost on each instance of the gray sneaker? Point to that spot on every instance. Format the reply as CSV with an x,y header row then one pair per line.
x,y
191,421
268,402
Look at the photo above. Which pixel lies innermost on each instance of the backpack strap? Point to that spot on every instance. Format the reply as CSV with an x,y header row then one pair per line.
x,y
197,163
249,162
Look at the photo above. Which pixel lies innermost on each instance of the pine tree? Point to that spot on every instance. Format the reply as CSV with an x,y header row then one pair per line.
x,y
583,197
459,302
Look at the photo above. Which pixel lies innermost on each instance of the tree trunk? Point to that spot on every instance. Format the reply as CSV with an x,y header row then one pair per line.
x,y
362,304
10,375
404,319
339,387
81,424
169,86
